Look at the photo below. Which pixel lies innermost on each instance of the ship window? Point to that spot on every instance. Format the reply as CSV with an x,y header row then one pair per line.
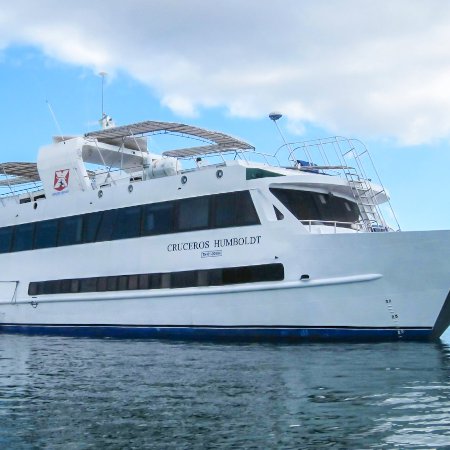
x,y
122,284
50,287
318,207
158,218
23,237
75,286
91,222
202,278
237,275
234,209
245,210
155,281
225,210
102,283
133,282
65,286
278,213
193,214
215,277
183,279
88,284
70,230
5,239
143,282
33,288
165,280
105,229
40,287
45,234
111,284
254,174
128,223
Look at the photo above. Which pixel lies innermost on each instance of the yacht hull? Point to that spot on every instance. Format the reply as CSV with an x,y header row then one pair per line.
x,y
369,286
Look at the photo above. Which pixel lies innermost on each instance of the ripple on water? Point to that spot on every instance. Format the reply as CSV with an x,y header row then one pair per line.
x,y
94,393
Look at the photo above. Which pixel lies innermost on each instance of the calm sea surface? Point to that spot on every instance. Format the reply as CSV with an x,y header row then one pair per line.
x,y
100,393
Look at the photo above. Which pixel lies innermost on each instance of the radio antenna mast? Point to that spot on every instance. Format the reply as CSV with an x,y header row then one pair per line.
x,y
274,116
105,121
103,75
55,119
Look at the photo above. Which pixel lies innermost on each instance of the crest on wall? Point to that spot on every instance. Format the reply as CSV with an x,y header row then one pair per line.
x,y
61,180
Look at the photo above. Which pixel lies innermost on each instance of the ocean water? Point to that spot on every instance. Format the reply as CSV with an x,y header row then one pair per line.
x,y
74,393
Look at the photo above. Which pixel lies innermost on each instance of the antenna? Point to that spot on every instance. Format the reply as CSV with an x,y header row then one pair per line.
x,y
103,75
274,116
105,121
55,120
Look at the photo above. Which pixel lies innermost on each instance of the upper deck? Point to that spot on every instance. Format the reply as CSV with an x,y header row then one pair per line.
x,y
115,155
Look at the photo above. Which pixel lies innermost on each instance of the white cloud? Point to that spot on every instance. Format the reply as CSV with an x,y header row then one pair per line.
x,y
354,66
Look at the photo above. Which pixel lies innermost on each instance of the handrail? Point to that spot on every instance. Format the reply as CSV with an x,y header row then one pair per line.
x,y
357,226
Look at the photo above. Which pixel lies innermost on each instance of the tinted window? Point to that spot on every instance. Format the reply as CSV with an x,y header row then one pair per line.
x,y
45,234
70,229
122,283
23,237
225,210
102,284
143,281
133,282
65,286
158,218
234,209
33,288
155,281
74,286
111,284
183,279
128,223
246,212
91,223
317,206
5,239
88,284
107,222
193,214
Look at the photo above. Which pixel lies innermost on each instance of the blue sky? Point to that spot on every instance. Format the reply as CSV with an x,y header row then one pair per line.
x,y
374,73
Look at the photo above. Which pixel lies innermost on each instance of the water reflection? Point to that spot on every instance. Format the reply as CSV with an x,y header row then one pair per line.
x,y
82,393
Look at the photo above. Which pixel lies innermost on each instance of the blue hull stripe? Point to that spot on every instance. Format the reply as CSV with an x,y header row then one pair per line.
x,y
262,333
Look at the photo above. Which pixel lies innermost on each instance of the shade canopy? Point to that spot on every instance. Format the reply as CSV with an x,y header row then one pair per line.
x,y
18,173
220,141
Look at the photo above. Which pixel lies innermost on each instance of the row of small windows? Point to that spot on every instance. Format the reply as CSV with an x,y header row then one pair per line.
x,y
233,209
190,278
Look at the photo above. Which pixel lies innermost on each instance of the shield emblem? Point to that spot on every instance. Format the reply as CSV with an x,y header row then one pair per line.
x,y
61,181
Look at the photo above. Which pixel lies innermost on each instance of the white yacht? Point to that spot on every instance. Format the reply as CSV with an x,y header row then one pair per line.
x,y
104,237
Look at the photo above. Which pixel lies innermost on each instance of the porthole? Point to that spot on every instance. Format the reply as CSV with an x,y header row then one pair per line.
x,y
130,188
219,173
184,179
100,193
35,205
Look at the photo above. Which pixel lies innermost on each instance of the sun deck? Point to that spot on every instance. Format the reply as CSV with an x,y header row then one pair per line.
x,y
123,153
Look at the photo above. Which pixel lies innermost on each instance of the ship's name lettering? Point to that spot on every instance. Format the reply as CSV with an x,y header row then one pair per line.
x,y
216,243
